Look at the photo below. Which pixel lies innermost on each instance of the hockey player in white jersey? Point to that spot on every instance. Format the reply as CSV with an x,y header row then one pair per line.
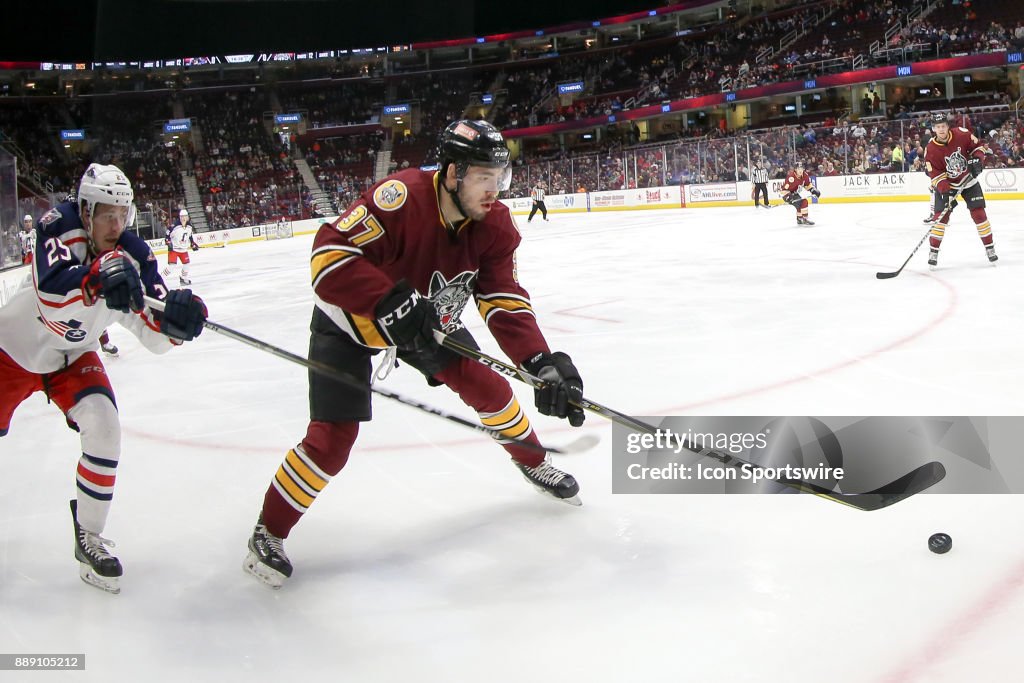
x,y
88,273
181,240
28,238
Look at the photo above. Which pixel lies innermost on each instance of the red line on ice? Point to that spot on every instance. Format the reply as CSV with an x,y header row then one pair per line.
x,y
955,633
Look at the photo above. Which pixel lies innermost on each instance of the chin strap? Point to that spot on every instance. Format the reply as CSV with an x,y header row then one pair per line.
x,y
449,226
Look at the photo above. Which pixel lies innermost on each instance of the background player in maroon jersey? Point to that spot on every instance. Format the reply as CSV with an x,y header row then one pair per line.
x,y
954,159
401,262
796,179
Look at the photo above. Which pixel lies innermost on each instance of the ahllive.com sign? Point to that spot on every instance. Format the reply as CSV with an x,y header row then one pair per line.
x,y
711,193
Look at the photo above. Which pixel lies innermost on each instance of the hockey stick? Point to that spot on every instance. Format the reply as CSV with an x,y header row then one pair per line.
x,y
944,216
913,482
583,443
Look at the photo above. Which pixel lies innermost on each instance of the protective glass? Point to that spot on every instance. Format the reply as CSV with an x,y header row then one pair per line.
x,y
488,179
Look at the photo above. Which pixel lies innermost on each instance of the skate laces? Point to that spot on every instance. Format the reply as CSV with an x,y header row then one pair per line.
x,y
94,544
273,543
546,473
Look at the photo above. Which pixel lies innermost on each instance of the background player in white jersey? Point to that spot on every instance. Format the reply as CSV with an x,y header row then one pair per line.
x,y
89,273
180,241
28,238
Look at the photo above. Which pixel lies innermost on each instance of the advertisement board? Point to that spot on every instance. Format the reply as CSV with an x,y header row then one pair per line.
x,y
718,192
1002,180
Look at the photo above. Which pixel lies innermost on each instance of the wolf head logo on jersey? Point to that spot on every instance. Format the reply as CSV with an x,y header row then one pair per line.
x,y
391,195
956,164
450,297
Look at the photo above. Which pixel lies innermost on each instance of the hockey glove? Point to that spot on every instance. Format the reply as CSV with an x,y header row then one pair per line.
x,y
562,384
791,198
975,166
816,192
113,277
408,319
183,316
195,247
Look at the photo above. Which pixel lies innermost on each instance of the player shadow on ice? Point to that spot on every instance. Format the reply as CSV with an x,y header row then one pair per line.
x,y
485,544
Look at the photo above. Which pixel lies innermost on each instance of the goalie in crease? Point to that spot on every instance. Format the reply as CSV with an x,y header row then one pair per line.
x,y
401,262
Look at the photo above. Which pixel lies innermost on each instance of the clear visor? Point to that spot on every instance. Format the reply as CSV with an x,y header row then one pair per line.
x,y
488,179
129,217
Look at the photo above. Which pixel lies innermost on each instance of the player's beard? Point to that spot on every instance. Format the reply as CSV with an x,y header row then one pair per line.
x,y
474,209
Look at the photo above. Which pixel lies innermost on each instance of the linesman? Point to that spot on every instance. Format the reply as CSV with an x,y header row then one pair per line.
x,y
760,178
538,202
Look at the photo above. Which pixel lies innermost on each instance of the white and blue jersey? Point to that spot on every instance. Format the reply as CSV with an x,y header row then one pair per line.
x,y
46,325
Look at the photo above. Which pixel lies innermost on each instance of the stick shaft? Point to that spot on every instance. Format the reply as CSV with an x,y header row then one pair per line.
x,y
344,378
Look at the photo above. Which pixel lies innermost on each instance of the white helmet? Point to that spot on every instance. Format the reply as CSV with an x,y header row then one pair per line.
x,y
183,214
105,185
27,217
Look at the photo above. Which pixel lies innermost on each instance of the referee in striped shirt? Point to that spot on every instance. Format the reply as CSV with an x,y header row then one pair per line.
x,y
760,178
538,202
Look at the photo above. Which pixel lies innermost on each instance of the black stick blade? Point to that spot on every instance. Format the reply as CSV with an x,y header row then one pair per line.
x,y
912,483
886,276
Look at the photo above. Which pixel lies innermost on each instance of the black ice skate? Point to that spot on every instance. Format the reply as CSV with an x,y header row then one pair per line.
x,y
800,220
933,258
550,480
185,281
109,349
97,567
929,219
266,559
990,251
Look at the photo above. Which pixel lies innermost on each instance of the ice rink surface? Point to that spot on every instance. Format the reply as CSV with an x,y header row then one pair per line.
x,y
430,559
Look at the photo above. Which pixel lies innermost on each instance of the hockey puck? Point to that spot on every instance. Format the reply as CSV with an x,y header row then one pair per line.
x,y
940,543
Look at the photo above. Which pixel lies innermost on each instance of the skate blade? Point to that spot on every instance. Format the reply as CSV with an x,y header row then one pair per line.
x,y
574,501
263,573
110,584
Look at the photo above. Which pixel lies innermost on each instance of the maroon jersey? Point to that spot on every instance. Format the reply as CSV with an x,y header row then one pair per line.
x,y
946,162
395,230
794,182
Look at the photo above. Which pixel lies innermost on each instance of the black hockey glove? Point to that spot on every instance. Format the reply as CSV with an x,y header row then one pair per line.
x,y
562,384
183,315
195,247
408,319
791,198
975,166
113,277
816,192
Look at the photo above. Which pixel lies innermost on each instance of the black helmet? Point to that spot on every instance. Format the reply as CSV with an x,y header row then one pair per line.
x,y
475,143
939,117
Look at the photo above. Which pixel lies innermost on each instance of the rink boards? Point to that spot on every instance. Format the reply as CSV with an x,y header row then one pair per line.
x,y
999,183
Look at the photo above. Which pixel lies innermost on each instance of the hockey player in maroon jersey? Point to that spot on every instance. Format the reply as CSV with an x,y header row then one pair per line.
x,y
954,159
401,262
795,180
89,272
